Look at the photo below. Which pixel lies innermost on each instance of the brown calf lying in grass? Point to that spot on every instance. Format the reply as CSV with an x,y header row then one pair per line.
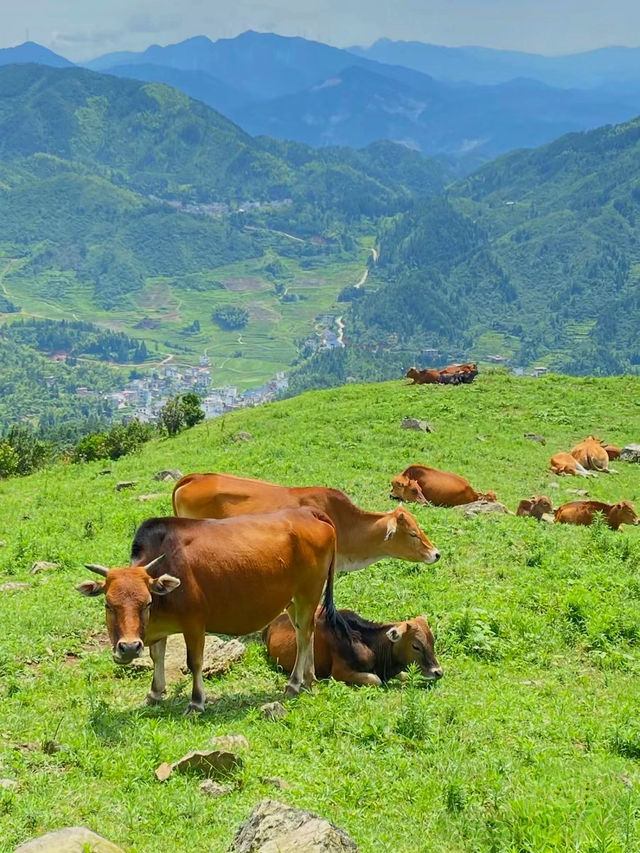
x,y
372,653
584,512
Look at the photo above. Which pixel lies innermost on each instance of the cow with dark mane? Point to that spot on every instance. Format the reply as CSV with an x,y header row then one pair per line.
x,y
368,653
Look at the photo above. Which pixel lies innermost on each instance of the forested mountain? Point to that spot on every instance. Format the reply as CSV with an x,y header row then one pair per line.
x,y
535,257
298,89
93,170
607,65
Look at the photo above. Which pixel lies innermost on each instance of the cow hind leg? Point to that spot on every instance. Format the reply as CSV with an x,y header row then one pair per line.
x,y
158,685
303,673
195,654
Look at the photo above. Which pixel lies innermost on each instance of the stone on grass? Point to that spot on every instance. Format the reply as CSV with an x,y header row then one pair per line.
x,y
168,474
125,484
242,436
482,508
153,497
532,436
203,762
630,453
3,544
215,789
43,566
8,784
230,742
417,424
277,782
578,491
275,827
273,710
219,656
74,839
10,586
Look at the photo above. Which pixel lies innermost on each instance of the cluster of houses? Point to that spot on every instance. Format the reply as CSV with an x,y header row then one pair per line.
x,y
143,398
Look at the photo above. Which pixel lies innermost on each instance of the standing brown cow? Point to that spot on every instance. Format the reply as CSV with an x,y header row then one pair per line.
x,y
363,537
227,577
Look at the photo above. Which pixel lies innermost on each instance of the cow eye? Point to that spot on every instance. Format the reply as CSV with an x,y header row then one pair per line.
x,y
415,535
415,646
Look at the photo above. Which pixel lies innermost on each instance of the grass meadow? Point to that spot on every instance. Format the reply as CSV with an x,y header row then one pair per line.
x,y
530,742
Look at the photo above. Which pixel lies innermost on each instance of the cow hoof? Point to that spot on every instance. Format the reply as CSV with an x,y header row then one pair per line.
x,y
291,690
154,698
193,708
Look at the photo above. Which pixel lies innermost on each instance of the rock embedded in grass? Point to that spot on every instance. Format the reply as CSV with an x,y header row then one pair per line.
x,y
219,657
43,566
11,586
168,474
203,762
482,508
215,789
274,826
630,453
73,839
273,710
417,424
125,484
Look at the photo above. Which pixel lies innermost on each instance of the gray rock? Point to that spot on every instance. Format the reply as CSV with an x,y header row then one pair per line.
x,y
3,544
532,436
215,789
8,784
125,484
230,742
153,497
416,423
277,782
168,474
219,656
43,566
275,827
273,710
578,491
630,453
12,585
74,839
483,507
242,436
203,762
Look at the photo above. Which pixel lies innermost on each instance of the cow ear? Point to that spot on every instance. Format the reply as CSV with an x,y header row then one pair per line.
x,y
392,526
164,584
394,633
91,588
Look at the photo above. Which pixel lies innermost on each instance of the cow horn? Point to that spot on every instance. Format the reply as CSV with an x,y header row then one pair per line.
x,y
154,563
99,570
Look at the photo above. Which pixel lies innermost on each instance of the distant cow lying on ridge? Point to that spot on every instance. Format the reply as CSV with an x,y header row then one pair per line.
x,y
454,374
423,377
424,485
362,537
584,512
372,653
535,507
230,577
564,463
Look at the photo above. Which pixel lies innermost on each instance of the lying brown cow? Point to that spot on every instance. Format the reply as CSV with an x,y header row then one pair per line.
x,y
564,463
591,455
363,537
584,512
460,368
612,451
227,577
423,377
429,485
372,653
535,507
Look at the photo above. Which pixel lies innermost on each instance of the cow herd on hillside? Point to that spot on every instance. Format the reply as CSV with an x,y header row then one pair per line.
x,y
240,555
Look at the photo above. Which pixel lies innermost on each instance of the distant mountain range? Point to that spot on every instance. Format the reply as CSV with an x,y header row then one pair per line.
x,y
297,89
619,65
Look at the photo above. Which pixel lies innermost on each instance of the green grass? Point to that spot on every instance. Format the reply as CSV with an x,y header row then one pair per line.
x,y
531,740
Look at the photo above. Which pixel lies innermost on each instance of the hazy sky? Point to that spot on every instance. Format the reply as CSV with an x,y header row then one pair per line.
x,y
82,29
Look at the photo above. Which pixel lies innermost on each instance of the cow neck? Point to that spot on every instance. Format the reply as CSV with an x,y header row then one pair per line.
x,y
358,532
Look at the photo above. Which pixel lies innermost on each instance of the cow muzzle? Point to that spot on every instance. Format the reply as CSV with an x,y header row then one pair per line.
x,y
433,557
127,650
433,674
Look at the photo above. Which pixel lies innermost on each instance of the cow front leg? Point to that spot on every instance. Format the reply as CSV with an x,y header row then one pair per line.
x,y
342,672
303,673
158,685
195,654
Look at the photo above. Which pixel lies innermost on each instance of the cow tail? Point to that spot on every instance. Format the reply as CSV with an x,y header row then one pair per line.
x,y
333,618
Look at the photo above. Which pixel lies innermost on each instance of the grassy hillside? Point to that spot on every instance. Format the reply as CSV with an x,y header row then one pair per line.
x,y
530,742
